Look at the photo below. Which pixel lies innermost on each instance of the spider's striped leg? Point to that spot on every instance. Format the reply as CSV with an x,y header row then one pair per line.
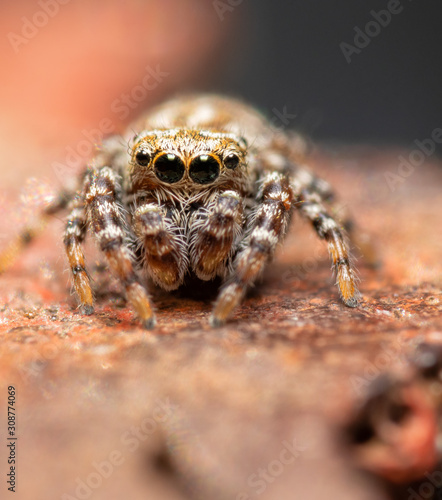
x,y
268,227
304,180
213,231
107,220
29,233
310,206
164,248
74,236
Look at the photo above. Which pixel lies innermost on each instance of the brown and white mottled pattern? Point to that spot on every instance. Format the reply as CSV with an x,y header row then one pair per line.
x,y
75,234
213,234
102,194
205,186
268,225
163,242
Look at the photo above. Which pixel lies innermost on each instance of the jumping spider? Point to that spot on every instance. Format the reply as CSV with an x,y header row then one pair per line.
x,y
207,187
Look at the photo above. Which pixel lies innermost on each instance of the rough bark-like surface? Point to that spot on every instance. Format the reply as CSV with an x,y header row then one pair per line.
x,y
218,407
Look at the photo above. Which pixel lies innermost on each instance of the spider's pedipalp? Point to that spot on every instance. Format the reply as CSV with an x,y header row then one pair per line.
x,y
212,233
269,224
163,244
74,236
102,196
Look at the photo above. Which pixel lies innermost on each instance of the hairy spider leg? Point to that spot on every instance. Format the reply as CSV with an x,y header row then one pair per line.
x,y
107,220
310,206
306,180
74,236
268,226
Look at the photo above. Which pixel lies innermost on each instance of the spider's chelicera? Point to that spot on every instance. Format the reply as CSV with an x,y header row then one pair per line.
x,y
207,187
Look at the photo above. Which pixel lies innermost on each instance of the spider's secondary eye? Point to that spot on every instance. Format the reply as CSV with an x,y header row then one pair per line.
x,y
142,157
204,169
232,161
169,168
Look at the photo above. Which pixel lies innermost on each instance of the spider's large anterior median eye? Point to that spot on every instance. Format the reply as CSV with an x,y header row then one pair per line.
x,y
232,161
204,169
169,168
142,157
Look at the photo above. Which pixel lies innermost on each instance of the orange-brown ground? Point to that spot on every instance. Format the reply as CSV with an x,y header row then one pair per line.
x,y
290,367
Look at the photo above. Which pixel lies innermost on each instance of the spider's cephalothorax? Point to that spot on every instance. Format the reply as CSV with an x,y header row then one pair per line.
x,y
206,187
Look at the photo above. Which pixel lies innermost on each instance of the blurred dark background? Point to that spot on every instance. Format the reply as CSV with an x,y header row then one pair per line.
x,y
391,92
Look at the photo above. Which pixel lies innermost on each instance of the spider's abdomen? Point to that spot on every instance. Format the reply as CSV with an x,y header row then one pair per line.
x,y
212,113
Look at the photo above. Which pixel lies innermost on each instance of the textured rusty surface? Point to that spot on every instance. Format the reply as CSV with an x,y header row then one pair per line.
x,y
288,371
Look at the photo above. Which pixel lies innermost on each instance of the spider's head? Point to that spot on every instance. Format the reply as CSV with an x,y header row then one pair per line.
x,y
184,157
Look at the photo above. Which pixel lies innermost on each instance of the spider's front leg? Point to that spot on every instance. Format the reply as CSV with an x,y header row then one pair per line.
x,y
159,230
213,230
74,236
269,224
103,202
